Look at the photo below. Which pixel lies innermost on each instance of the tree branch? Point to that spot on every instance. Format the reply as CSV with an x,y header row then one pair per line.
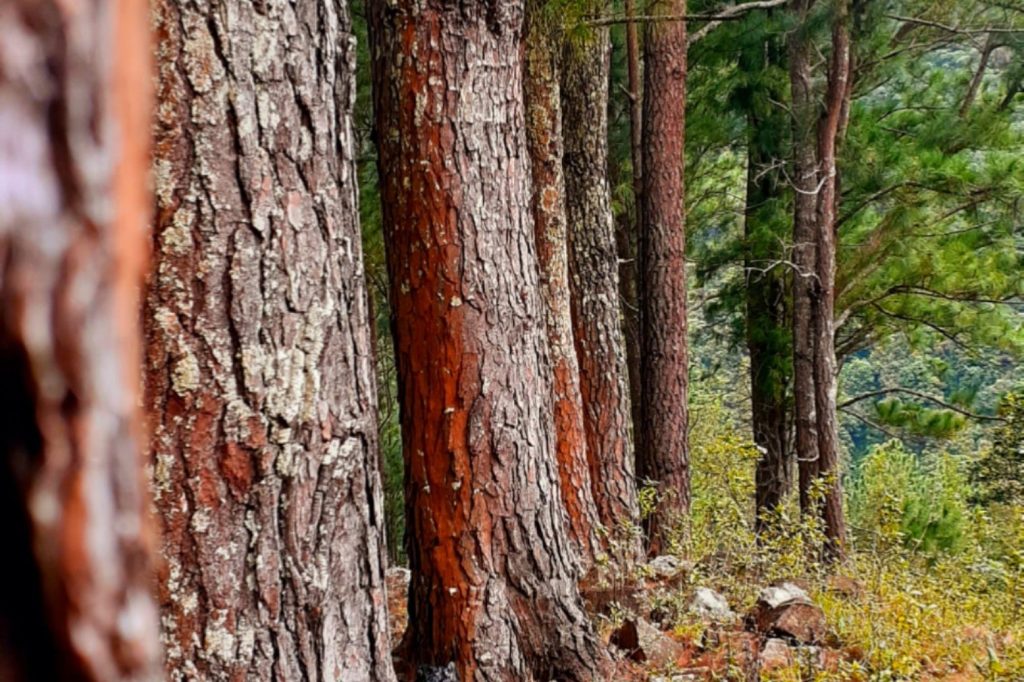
x,y
952,29
922,396
727,13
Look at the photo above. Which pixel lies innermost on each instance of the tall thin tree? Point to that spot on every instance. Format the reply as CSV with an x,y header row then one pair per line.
x,y
594,281
663,455
805,186
259,374
75,601
830,128
544,140
493,580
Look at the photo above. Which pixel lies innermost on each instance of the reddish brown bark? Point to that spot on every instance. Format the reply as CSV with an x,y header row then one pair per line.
x,y
259,379
662,456
493,580
805,175
825,367
594,281
74,104
544,141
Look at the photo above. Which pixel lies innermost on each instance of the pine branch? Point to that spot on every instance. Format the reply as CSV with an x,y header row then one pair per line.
x,y
922,396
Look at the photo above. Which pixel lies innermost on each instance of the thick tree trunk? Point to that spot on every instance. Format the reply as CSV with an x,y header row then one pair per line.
x,y
594,275
825,368
805,199
493,580
663,456
544,140
75,600
259,363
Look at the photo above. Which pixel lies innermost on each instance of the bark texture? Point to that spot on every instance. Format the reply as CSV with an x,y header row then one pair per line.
x,y
75,602
826,370
493,580
594,275
663,456
259,373
805,173
544,140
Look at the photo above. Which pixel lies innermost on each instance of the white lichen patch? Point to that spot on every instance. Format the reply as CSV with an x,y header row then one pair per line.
x,y
162,474
218,641
176,239
185,375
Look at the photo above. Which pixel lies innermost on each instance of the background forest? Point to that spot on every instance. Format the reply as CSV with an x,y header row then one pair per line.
x,y
932,324
512,340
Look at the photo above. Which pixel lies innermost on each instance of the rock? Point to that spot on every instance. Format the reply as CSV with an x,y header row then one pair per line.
x,y
427,673
775,653
666,566
710,605
644,643
786,611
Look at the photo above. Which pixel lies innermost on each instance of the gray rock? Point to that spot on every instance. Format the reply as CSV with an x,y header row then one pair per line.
x,y
710,605
777,595
666,566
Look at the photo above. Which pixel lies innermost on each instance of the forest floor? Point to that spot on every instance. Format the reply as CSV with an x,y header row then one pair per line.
x,y
664,629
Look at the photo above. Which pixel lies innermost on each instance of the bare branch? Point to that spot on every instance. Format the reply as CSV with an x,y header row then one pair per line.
x,y
727,13
970,31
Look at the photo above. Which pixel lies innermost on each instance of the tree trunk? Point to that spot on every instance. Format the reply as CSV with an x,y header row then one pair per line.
x,y
259,366
825,367
593,269
805,198
663,456
766,310
493,580
629,226
544,140
78,539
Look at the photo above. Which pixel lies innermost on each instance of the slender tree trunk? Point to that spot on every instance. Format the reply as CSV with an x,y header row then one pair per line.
x,y
825,367
979,74
766,310
629,226
259,363
74,105
663,456
805,198
594,280
493,580
544,140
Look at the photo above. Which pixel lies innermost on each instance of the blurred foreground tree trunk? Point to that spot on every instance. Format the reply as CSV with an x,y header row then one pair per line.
x,y
75,601
259,373
493,580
